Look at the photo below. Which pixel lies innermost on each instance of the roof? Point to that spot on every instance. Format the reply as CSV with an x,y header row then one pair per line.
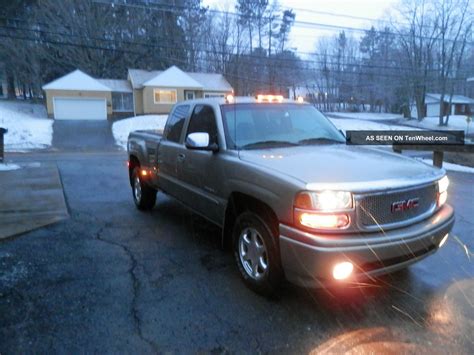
x,y
173,77
76,80
456,99
212,82
206,81
139,76
117,85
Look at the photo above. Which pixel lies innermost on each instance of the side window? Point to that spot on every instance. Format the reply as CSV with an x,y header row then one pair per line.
x,y
175,123
204,120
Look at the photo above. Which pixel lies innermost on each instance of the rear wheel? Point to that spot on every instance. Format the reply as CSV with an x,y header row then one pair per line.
x,y
256,253
143,195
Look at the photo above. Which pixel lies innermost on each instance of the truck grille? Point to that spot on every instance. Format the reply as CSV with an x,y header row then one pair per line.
x,y
376,210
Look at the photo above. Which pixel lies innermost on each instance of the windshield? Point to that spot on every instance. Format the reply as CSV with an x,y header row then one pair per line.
x,y
253,126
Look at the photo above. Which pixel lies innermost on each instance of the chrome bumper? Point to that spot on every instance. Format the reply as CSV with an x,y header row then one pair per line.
x,y
308,259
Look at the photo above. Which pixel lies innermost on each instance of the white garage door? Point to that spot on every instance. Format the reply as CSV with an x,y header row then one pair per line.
x,y
81,108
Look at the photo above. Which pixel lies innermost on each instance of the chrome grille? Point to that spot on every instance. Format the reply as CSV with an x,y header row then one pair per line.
x,y
376,210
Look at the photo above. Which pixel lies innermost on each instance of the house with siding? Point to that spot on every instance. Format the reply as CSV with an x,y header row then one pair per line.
x,y
457,105
78,95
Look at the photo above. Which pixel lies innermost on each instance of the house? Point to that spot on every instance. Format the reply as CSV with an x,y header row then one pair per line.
x,y
78,95
157,91
460,105
311,91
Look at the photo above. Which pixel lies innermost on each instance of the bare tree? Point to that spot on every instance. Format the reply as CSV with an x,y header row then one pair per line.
x,y
455,27
418,40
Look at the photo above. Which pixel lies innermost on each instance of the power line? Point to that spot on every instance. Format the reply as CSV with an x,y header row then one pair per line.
x,y
329,64
36,40
174,9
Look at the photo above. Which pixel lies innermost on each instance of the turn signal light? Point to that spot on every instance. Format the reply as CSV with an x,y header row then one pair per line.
x,y
323,221
342,270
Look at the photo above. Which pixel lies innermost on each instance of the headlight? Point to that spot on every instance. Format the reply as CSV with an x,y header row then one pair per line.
x,y
323,209
443,184
325,201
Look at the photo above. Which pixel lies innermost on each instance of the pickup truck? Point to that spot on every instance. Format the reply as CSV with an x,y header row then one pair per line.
x,y
291,197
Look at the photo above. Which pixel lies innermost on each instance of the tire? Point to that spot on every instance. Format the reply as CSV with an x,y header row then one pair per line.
x,y
259,268
144,196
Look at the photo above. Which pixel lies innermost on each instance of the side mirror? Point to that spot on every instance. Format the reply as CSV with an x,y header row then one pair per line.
x,y
200,141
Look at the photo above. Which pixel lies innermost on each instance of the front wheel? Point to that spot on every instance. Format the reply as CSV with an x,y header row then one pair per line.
x,y
256,253
144,196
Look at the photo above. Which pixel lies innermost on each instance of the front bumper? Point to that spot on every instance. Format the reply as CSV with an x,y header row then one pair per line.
x,y
308,259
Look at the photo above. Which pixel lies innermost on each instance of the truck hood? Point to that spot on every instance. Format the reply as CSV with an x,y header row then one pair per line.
x,y
342,167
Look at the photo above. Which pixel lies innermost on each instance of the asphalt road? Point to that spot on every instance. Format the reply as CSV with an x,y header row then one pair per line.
x,y
112,279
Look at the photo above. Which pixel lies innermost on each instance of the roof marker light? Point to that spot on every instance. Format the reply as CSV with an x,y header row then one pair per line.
x,y
230,99
270,98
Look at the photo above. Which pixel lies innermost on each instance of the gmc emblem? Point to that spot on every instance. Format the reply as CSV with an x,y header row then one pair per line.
x,y
405,205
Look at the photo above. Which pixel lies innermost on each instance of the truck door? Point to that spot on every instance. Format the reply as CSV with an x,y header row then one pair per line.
x,y
170,152
200,168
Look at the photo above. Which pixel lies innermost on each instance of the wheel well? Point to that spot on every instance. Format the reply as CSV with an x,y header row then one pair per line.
x,y
240,202
133,162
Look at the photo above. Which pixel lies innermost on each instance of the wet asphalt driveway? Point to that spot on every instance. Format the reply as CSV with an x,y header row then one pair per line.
x,y
83,135
111,279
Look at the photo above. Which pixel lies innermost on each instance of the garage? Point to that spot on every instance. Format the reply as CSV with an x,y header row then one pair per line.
x,y
78,96
83,108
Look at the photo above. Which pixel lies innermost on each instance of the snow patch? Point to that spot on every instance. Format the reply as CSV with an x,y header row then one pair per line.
x,y
8,167
456,122
371,116
28,126
353,124
121,129
449,166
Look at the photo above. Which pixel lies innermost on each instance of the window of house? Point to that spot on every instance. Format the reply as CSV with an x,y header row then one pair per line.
x,y
203,120
122,102
212,94
175,123
164,96
189,95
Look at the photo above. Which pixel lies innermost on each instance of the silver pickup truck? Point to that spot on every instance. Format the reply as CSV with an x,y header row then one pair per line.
x,y
292,199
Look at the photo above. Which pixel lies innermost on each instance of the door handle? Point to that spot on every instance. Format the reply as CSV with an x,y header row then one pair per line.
x,y
181,156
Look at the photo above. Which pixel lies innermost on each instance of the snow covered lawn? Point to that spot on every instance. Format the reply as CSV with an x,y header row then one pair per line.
x,y
28,126
353,124
366,115
457,122
8,167
449,166
121,129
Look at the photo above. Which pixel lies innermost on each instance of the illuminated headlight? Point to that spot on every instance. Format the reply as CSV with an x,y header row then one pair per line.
x,y
325,201
323,209
443,190
443,184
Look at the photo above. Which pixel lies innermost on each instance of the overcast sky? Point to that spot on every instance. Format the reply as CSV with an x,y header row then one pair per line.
x,y
303,36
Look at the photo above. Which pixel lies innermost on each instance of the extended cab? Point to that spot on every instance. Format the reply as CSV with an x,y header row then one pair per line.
x,y
292,199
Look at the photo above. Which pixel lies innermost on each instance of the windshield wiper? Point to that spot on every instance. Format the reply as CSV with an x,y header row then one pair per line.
x,y
319,140
269,143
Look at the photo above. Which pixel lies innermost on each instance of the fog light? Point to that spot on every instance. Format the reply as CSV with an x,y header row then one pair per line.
x,y
342,270
443,241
